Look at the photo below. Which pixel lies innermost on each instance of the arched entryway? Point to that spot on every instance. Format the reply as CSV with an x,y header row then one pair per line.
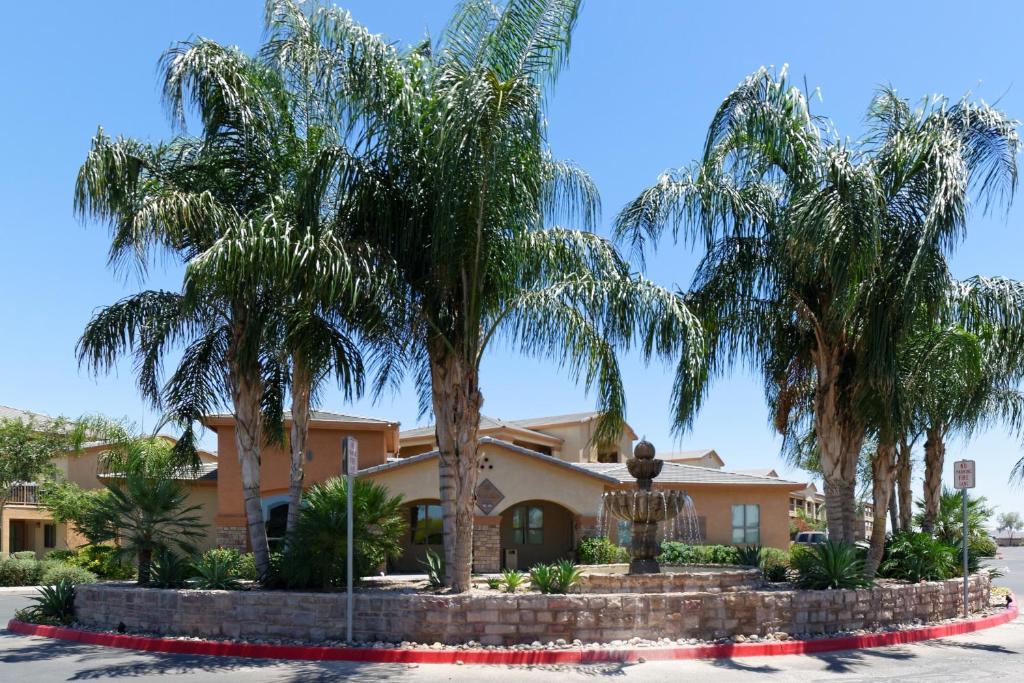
x,y
423,532
540,531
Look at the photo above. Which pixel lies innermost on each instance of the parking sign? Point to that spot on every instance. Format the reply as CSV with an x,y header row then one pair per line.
x,y
963,474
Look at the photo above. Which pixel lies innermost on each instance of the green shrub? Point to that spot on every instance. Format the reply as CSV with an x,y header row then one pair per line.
x,y
493,583
24,555
62,556
170,570
567,575
673,553
434,566
983,546
316,555
245,568
103,561
600,550
511,580
55,571
543,578
917,556
828,565
775,573
54,603
215,570
17,572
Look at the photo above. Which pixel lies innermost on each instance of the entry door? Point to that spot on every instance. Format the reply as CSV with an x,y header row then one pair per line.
x,y
17,536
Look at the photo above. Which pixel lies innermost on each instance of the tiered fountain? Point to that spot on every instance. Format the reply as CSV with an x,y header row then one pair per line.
x,y
645,508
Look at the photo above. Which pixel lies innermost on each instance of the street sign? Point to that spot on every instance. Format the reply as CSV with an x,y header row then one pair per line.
x,y
963,474
349,455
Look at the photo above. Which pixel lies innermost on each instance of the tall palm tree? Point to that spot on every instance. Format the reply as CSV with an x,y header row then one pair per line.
x,y
450,201
793,220
180,198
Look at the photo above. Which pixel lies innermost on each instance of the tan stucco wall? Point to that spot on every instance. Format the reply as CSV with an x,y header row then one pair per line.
x,y
518,477
714,503
275,463
576,442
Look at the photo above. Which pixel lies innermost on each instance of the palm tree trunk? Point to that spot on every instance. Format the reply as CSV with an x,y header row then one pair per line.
x,y
145,559
301,384
883,474
934,459
894,512
840,436
457,401
905,495
246,394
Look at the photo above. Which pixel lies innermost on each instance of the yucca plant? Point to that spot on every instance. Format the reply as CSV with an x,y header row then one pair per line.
x,y
54,603
170,570
829,565
215,571
434,565
511,580
749,555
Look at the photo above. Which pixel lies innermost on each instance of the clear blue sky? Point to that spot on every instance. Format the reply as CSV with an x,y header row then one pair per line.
x,y
642,84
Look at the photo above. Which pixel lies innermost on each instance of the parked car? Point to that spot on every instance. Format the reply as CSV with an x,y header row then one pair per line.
x,y
810,538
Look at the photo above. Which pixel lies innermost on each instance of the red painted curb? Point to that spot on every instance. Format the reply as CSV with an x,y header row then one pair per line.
x,y
508,657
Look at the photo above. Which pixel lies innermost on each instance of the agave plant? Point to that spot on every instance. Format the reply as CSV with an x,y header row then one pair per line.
x,y
567,575
170,570
215,571
543,578
434,564
749,555
54,603
511,580
829,565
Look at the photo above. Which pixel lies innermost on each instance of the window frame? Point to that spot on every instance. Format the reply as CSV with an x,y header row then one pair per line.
x,y
48,530
527,533
750,532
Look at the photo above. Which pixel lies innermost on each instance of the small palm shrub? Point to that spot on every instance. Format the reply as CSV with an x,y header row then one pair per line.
x,y
315,557
215,570
567,575
54,572
170,570
55,605
774,565
917,556
828,565
511,580
493,583
434,566
600,550
15,572
543,578
749,555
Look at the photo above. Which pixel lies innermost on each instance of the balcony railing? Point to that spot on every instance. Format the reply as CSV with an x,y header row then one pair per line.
x,y
23,494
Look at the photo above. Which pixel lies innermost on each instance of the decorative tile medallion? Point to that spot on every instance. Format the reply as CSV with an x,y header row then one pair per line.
x,y
488,496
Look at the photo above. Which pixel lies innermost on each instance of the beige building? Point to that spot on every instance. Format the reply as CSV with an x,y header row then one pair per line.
x,y
25,525
540,486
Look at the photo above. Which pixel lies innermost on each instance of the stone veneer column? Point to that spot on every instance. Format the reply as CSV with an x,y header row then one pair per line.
x,y
487,544
232,537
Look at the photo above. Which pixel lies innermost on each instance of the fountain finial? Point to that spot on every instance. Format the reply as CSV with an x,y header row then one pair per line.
x,y
644,450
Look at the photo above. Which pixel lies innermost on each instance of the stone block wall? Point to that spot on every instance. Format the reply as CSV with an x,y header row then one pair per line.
x,y
501,619
670,580
232,537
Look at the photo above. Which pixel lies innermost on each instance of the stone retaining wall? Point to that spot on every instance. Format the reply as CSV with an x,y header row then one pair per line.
x,y
510,619
679,579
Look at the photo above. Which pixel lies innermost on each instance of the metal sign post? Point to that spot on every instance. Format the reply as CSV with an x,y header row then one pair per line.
x,y
350,464
963,479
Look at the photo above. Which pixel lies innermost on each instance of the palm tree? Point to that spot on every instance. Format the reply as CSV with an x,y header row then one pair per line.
x,y
179,198
450,201
148,515
793,220
948,524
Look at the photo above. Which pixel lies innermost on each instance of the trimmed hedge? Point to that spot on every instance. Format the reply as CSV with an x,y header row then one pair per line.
x,y
673,552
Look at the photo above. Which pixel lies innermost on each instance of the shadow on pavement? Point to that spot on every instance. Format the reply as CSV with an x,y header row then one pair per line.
x,y
848,661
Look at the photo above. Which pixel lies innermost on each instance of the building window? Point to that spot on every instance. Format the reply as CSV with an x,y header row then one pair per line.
x,y
528,525
425,523
277,526
792,504
49,535
625,532
746,524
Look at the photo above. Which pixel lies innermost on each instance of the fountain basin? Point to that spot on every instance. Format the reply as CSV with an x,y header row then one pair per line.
x,y
616,578
647,507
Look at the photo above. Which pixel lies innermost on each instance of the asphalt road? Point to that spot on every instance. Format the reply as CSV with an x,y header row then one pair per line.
x,y
996,654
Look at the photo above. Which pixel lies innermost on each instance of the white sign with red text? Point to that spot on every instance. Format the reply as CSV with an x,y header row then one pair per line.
x,y
963,474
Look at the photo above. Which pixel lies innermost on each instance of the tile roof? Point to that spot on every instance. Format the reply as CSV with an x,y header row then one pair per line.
x,y
484,441
9,413
487,423
676,473
556,419
764,472
321,416
206,472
